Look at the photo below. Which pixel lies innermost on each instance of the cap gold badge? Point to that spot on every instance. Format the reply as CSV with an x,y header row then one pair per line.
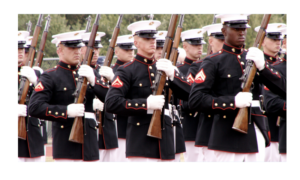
x,y
199,32
19,34
279,26
129,37
76,34
30,39
161,33
151,23
97,34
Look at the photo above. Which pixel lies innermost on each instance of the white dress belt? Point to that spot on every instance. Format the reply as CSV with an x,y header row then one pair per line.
x,y
89,115
255,103
167,112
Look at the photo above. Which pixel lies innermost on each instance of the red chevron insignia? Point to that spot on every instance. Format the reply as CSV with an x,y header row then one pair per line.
x,y
117,83
200,77
39,87
265,88
190,78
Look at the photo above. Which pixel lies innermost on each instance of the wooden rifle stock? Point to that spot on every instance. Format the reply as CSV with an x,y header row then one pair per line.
x,y
24,84
76,134
160,80
241,121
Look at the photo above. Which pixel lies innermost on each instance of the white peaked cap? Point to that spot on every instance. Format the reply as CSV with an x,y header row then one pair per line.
x,y
191,34
86,36
28,41
213,28
232,17
161,35
273,28
22,35
55,41
143,25
69,36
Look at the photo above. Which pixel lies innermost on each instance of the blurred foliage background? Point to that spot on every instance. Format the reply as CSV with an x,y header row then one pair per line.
x,y
61,23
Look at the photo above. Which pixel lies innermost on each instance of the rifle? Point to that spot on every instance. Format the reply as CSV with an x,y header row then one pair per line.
x,y
108,58
241,120
208,45
76,134
40,55
24,84
160,80
87,28
29,24
174,52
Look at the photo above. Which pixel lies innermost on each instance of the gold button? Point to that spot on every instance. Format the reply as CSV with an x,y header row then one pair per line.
x,y
152,74
145,60
150,67
177,74
143,105
74,72
62,126
181,77
229,75
231,104
209,116
167,84
55,66
276,73
172,125
191,114
242,63
216,104
271,69
239,56
76,79
138,124
38,125
267,65
103,83
242,49
30,84
141,84
271,58
153,81
65,88
136,104
224,104
62,114
243,70
233,50
19,73
257,73
224,116
129,104
56,113
88,82
69,66
97,81
220,51
49,112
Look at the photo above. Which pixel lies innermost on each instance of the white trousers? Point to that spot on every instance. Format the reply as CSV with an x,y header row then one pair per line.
x,y
141,159
208,155
36,159
282,157
108,155
193,153
222,156
272,152
121,151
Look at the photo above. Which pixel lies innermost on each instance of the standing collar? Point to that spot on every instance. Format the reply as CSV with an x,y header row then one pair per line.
x,y
271,59
188,61
67,66
232,50
144,60
120,62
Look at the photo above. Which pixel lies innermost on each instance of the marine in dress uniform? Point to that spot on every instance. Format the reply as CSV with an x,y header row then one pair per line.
x,y
124,51
216,41
31,149
193,46
52,100
276,106
217,90
107,141
271,46
131,95
179,137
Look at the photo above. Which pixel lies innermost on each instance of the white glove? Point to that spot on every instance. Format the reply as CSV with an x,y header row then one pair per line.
x,y
166,66
74,110
87,72
22,110
155,102
97,104
107,72
29,73
243,99
38,68
257,56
